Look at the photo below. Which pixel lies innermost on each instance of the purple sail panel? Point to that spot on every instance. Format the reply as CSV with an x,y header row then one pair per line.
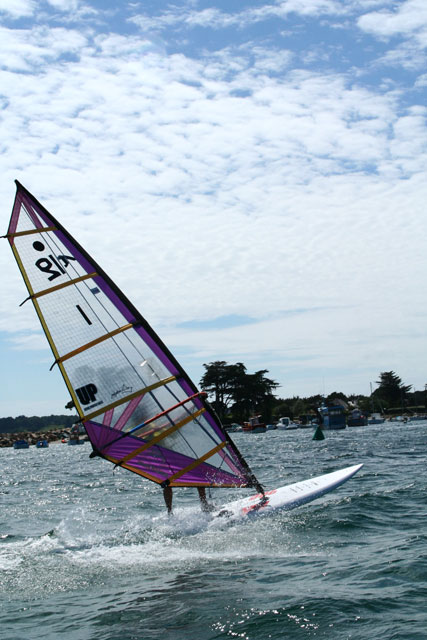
x,y
157,462
100,435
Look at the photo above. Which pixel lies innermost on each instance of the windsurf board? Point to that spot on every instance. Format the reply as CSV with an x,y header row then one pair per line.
x,y
288,497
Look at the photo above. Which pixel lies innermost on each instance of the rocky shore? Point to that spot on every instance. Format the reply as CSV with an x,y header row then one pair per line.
x,y
56,435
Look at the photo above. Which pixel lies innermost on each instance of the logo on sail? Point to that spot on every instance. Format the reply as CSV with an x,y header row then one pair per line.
x,y
87,394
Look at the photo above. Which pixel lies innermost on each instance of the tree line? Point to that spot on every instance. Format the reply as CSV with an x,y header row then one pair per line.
x,y
36,423
236,394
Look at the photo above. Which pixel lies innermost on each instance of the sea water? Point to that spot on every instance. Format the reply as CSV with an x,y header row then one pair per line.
x,y
88,553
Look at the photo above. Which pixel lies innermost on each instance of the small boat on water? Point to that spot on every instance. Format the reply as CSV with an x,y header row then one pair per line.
x,y
75,432
356,419
233,427
406,418
42,444
308,420
332,418
21,444
286,424
376,418
77,440
254,425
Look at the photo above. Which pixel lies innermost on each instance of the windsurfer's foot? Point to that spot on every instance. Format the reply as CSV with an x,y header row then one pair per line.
x,y
208,508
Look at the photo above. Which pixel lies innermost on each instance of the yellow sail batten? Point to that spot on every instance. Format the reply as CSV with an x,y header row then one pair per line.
x,y
144,474
148,476
93,343
197,462
45,292
29,232
162,435
127,398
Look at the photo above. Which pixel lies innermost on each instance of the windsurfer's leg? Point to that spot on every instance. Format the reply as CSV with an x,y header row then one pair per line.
x,y
167,494
206,507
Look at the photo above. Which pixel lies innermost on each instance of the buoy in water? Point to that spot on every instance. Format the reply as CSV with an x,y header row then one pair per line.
x,y
318,434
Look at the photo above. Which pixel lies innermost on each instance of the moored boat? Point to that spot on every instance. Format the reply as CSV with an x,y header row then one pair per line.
x,y
42,444
75,440
21,444
376,418
285,424
76,431
254,425
233,427
332,418
259,428
356,419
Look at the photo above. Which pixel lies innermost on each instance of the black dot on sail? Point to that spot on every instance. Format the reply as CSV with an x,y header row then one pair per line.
x,y
38,246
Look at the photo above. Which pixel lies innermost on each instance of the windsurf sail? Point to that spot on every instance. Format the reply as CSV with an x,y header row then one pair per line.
x,y
140,409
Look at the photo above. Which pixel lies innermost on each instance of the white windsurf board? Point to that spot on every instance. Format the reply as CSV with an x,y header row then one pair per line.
x,y
288,497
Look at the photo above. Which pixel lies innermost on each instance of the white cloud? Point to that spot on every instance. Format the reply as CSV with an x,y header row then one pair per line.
x,y
30,342
217,19
421,81
409,18
18,8
25,50
406,22
64,5
408,55
24,8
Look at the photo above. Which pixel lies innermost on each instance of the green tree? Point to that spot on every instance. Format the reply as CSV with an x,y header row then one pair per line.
x,y
335,396
284,408
221,381
253,394
391,390
237,392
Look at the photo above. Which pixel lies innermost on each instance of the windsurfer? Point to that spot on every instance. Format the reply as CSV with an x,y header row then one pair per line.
x,y
185,439
205,506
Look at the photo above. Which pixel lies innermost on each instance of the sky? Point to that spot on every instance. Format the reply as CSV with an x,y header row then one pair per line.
x,y
251,173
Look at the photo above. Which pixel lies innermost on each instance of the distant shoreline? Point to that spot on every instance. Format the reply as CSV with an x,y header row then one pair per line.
x,y
32,437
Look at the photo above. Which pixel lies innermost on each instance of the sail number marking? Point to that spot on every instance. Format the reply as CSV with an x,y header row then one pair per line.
x,y
52,265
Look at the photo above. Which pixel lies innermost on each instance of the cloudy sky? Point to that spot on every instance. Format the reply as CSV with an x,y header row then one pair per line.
x,y
251,173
